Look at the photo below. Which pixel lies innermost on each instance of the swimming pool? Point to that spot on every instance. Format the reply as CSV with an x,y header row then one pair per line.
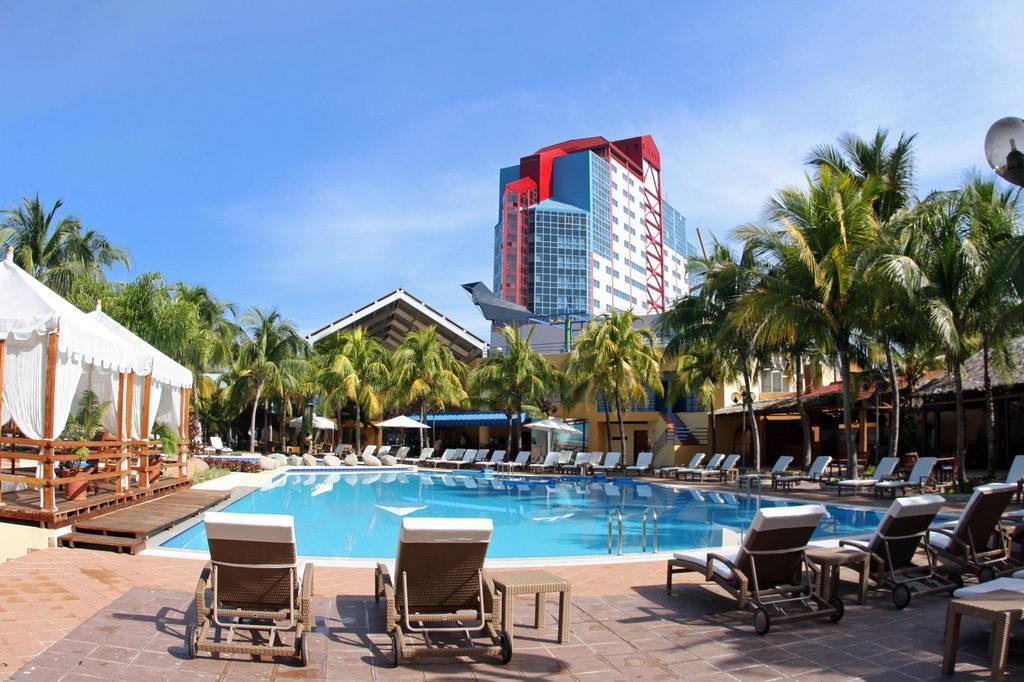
x,y
358,515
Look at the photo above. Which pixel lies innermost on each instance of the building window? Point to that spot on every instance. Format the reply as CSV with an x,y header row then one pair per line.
x,y
775,381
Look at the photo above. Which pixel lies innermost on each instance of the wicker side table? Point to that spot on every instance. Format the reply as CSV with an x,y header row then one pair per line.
x,y
1002,608
537,583
826,561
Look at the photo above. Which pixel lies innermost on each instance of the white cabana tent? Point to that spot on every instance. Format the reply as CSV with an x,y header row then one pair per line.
x,y
318,423
166,377
401,422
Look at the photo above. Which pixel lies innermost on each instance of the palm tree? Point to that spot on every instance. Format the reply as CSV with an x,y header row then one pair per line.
x,y
820,246
355,370
613,347
57,252
426,374
709,315
269,358
700,369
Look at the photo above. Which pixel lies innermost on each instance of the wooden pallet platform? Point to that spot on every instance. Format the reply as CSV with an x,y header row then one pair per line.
x,y
128,529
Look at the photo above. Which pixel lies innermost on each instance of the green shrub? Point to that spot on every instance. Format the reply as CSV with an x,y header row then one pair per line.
x,y
210,474
168,438
234,465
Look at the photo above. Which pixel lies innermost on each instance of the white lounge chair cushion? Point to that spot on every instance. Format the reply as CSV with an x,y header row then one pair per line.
x,y
774,518
701,559
917,505
250,527
441,530
1011,584
891,484
856,482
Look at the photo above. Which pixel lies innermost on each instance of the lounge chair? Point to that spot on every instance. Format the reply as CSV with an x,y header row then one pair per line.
x,y
767,571
893,546
815,474
920,476
977,542
694,463
253,574
1015,476
550,461
574,462
883,471
564,457
440,586
216,447
446,456
521,460
467,460
496,457
402,454
713,464
643,464
368,450
611,463
425,454
778,469
726,471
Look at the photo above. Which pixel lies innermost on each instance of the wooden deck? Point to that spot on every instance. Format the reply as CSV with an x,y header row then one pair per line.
x,y
128,529
23,505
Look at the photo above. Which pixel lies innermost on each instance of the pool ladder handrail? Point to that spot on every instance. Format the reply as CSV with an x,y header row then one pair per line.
x,y
651,513
614,513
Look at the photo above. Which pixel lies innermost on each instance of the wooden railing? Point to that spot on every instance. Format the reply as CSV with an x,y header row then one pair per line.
x,y
115,462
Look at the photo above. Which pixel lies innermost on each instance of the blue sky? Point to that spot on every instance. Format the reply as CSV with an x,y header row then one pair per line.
x,y
314,156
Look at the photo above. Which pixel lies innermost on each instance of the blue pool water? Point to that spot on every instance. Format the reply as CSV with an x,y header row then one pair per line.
x,y
359,515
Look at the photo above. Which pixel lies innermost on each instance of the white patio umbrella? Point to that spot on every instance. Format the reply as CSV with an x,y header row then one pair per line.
x,y
401,422
551,425
318,423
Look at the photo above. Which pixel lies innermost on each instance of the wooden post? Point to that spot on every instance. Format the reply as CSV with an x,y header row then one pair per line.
x,y
3,353
49,492
183,433
147,383
123,459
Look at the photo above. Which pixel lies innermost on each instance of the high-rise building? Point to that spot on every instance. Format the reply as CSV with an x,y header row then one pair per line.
x,y
583,227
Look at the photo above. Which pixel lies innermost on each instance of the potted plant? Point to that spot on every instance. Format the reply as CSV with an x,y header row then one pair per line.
x,y
81,427
168,438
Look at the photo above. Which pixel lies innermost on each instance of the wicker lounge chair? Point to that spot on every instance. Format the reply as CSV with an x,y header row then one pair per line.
x,y
894,544
726,471
713,464
368,450
1015,476
425,454
446,456
767,572
920,477
883,472
402,454
574,462
216,447
611,463
440,586
643,464
467,460
815,474
495,457
977,542
258,602
694,463
778,469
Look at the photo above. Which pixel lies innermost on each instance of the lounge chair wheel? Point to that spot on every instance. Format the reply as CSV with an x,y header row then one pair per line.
x,y
762,623
901,596
957,580
304,650
396,647
986,574
505,642
840,608
191,640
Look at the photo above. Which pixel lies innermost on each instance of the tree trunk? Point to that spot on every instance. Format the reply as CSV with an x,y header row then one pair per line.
x,y
359,428
266,425
894,427
509,452
844,369
284,426
961,422
622,424
607,425
423,420
748,413
805,422
252,419
990,413
714,434
519,430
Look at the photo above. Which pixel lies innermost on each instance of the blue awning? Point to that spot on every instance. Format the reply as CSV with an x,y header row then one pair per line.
x,y
443,419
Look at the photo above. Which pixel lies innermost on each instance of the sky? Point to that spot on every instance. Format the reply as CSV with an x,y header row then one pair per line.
x,y
314,156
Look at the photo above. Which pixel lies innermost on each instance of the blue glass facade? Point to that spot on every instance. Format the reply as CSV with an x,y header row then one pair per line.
x,y
560,271
674,227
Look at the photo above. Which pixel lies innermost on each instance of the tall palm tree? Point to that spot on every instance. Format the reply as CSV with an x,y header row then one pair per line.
x,y
820,246
700,368
355,371
613,346
57,252
709,315
271,356
426,374
514,378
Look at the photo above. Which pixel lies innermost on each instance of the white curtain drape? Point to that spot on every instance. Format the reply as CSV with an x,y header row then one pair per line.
x,y
102,382
24,383
169,407
156,390
69,374
136,415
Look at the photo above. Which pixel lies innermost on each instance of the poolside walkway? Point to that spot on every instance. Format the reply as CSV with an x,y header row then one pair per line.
x,y
81,615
